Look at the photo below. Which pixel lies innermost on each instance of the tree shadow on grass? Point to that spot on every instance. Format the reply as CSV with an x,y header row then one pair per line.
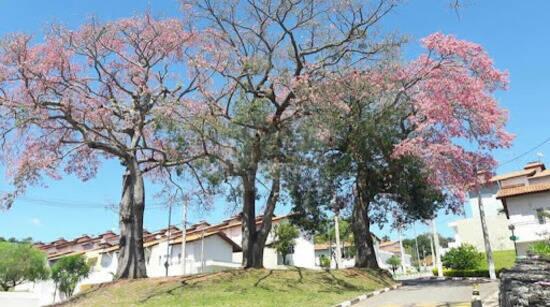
x,y
170,291
82,295
347,286
263,278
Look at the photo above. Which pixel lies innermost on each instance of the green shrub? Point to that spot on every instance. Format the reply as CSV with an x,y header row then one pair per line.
x,y
464,257
21,262
394,262
285,239
541,248
68,271
466,273
324,261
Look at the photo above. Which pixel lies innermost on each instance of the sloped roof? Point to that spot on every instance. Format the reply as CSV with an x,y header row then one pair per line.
x,y
524,172
64,254
197,236
522,190
541,174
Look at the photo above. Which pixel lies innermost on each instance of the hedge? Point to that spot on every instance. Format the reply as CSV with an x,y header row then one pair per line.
x,y
465,273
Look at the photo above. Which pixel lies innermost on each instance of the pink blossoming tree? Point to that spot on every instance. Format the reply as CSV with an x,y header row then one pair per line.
x,y
103,91
438,108
261,53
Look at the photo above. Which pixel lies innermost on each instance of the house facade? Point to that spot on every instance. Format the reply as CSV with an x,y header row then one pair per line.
x,y
209,248
383,251
525,196
468,230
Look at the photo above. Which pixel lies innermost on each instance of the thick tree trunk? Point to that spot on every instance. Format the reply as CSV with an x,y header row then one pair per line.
x,y
252,257
364,244
131,256
254,238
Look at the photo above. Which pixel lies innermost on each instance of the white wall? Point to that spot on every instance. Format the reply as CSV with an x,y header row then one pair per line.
x,y
469,231
20,299
522,211
304,252
217,253
303,256
491,204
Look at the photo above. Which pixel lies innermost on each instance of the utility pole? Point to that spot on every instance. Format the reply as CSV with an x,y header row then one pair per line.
x,y
184,235
488,250
437,250
432,250
166,264
337,235
417,250
202,251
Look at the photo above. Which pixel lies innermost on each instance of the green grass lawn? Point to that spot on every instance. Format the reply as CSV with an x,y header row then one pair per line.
x,y
293,287
503,259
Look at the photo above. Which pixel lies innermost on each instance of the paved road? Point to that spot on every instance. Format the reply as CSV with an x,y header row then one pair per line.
x,y
432,293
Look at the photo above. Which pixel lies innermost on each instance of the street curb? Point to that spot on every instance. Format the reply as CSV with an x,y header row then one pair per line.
x,y
366,296
455,278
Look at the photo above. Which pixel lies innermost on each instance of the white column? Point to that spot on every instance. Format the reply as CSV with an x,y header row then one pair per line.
x,y
437,249
338,249
184,237
402,251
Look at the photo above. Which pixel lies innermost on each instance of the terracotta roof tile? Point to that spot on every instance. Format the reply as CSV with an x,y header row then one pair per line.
x,y
541,174
525,172
527,189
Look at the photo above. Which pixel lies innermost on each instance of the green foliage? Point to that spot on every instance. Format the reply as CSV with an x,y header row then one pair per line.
x,y
324,261
541,248
464,257
68,271
394,262
285,236
20,262
329,232
14,240
466,273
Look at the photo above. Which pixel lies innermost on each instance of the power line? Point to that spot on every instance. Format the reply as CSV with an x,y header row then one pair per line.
x,y
525,153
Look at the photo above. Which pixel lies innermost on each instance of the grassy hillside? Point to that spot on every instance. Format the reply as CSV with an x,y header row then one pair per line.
x,y
293,287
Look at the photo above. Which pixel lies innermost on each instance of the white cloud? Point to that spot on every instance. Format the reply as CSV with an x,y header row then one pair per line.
x,y
36,221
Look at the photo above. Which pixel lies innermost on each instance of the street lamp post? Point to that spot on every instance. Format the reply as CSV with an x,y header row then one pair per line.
x,y
513,237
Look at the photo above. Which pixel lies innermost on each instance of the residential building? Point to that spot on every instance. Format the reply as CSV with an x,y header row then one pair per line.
x,y
525,196
391,248
468,230
383,251
209,248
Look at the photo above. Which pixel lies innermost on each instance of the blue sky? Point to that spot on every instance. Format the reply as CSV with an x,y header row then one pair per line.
x,y
513,33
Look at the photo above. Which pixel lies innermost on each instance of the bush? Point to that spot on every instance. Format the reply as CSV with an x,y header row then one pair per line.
x,y
541,248
464,257
68,271
394,262
466,273
324,261
20,262
285,239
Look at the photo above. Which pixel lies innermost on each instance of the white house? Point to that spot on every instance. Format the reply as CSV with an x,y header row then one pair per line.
x,y
469,231
382,250
525,196
303,254
209,248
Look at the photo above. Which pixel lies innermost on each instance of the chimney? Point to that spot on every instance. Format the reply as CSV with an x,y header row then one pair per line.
x,y
537,166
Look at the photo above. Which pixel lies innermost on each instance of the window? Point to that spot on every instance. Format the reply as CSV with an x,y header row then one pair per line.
x,y
541,216
179,258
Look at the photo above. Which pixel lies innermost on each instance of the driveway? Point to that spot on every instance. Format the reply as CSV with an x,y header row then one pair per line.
x,y
434,293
